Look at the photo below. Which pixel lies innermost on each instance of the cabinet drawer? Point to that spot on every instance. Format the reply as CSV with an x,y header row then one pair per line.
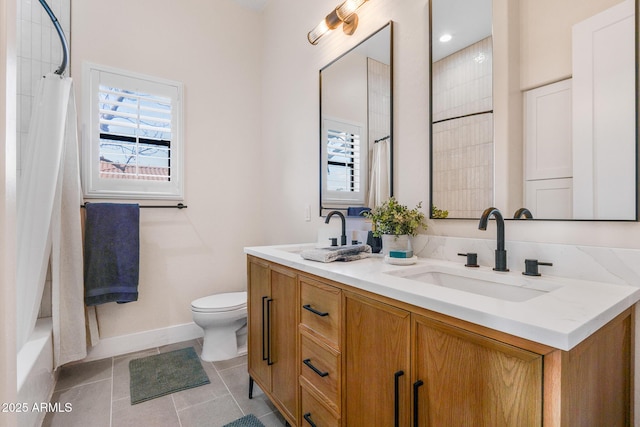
x,y
320,309
315,413
321,367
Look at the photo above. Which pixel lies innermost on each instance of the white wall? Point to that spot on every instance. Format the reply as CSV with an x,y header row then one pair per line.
x,y
344,85
545,50
214,48
7,208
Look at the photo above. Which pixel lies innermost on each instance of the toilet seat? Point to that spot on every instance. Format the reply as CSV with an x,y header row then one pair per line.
x,y
220,302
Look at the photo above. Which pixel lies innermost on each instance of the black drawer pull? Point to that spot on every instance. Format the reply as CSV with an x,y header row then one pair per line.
x,y
269,360
308,419
416,386
396,408
314,311
314,369
264,329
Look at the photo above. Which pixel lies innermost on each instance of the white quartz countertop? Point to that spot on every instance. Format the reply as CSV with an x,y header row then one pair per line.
x,y
561,318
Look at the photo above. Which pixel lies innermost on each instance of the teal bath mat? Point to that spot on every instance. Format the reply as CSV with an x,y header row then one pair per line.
x,y
246,421
165,373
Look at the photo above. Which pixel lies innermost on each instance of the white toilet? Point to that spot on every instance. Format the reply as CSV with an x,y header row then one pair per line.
x,y
223,317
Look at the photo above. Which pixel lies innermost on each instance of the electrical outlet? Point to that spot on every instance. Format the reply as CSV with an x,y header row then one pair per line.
x,y
307,213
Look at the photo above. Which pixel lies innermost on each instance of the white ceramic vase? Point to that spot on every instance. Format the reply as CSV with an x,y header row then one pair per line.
x,y
391,242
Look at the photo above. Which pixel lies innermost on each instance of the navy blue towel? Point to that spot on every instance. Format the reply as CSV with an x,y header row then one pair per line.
x,y
111,253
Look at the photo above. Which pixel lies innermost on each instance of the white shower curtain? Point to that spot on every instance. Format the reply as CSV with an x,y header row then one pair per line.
x,y
379,183
49,224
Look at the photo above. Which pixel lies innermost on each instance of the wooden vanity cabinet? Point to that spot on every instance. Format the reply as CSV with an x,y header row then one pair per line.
x,y
376,363
273,337
330,355
464,379
457,378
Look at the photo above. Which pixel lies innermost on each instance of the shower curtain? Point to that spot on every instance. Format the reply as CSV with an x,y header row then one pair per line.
x,y
380,165
49,224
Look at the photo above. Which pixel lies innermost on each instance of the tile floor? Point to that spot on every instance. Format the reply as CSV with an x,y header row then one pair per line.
x,y
98,394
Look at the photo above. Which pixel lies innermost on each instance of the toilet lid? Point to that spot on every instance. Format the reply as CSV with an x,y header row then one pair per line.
x,y
221,302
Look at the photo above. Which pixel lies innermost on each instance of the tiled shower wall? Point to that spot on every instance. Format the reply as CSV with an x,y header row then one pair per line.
x,y
463,131
379,99
39,52
379,107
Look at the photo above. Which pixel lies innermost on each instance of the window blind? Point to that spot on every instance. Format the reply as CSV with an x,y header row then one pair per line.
x,y
343,161
135,134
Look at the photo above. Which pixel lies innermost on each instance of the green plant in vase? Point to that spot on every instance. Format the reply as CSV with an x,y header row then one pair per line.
x,y
396,219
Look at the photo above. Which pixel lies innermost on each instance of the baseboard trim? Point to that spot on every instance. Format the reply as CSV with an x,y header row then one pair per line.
x,y
117,346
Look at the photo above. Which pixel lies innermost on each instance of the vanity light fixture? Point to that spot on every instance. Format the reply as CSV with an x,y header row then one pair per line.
x,y
344,14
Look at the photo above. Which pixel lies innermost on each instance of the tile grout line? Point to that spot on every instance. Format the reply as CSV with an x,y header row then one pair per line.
x,y
228,389
113,362
79,385
175,408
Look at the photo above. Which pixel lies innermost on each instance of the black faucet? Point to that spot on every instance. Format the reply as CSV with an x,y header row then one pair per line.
x,y
523,211
343,238
501,253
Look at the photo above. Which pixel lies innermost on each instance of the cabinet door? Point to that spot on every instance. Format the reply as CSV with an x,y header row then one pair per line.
x,y
282,356
376,363
469,380
259,290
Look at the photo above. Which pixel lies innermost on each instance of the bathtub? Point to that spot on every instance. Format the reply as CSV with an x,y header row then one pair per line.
x,y
35,372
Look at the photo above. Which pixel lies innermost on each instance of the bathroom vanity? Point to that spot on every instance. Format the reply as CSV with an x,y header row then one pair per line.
x,y
366,343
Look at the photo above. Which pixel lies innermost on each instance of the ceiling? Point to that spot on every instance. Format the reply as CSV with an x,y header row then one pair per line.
x,y
468,21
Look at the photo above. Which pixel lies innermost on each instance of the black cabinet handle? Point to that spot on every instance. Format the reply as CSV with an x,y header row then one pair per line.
x,y
314,369
307,418
396,408
269,361
264,323
314,311
416,386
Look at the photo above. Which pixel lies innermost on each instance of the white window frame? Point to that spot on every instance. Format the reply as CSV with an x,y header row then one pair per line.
x,y
96,187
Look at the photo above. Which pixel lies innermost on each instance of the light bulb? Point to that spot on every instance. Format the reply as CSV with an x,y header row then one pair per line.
x,y
320,30
347,8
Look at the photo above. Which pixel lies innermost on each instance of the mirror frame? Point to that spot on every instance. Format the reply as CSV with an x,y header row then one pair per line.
x,y
637,130
326,209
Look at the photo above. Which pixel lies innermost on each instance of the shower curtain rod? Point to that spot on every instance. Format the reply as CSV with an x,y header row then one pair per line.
x,y
178,206
65,46
381,139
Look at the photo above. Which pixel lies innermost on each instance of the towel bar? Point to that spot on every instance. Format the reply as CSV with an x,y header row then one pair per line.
x,y
178,206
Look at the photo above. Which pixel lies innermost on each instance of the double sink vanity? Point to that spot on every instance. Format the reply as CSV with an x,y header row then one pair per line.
x,y
366,343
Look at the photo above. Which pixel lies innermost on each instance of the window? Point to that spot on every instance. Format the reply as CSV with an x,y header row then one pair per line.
x,y
133,145
343,160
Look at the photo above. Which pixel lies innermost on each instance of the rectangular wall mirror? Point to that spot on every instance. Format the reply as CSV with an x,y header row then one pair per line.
x,y
534,105
356,132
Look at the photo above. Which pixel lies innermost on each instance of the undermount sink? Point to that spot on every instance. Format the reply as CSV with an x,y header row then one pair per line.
x,y
508,287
